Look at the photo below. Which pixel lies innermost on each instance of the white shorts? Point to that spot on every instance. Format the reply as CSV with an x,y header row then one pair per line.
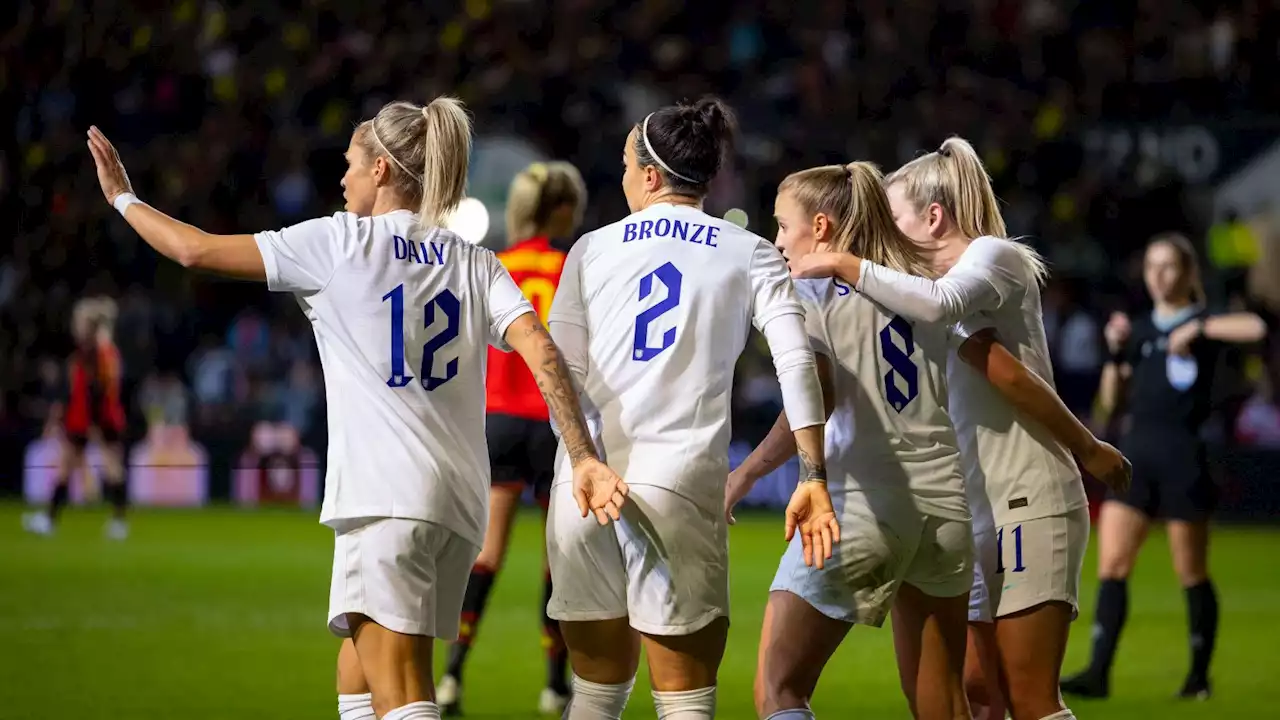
x,y
408,576
874,557
664,565
1022,565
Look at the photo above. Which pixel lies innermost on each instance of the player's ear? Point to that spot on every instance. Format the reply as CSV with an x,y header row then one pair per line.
x,y
652,178
936,217
381,171
821,228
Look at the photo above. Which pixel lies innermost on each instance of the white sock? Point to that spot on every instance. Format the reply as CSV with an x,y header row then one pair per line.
x,y
356,707
697,704
1064,714
421,710
594,701
792,714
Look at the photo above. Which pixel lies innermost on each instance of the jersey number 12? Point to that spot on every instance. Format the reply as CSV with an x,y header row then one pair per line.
x,y
902,381
449,306
669,276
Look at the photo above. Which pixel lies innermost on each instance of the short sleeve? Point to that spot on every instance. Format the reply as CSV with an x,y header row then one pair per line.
x,y
997,262
813,296
568,307
302,258
960,333
772,292
506,302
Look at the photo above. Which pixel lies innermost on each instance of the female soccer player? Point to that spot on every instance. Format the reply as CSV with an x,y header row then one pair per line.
x,y
92,410
906,538
652,313
1031,520
544,208
402,311
1161,373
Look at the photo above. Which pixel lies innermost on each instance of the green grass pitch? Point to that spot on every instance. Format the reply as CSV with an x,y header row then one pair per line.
x,y
219,614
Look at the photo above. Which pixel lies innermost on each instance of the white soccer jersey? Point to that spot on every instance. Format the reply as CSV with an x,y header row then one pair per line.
x,y
890,434
666,298
1012,465
402,319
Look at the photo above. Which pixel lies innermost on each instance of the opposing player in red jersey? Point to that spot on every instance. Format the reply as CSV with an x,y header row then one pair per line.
x,y
92,410
544,204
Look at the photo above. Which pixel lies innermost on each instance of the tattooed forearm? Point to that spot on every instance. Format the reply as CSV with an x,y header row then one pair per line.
x,y
777,447
811,468
556,386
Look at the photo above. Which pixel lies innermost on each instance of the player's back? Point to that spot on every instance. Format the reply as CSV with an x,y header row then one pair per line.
x,y
403,326
668,296
890,436
1014,469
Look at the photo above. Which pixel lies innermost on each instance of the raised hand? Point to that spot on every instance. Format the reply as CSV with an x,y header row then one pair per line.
x,y
1117,331
598,489
111,174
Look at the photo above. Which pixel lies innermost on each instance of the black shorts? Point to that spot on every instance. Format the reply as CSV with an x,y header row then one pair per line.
x,y
106,435
1171,479
522,452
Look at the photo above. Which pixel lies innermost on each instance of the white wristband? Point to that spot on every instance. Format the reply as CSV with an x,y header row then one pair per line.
x,y
123,201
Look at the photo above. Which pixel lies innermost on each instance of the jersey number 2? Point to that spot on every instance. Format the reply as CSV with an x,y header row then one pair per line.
x,y
902,382
669,276
449,306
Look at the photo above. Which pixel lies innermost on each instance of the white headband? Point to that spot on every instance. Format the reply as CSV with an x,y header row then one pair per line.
x,y
644,135
374,132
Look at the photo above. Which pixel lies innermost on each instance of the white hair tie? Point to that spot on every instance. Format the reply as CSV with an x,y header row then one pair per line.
x,y
373,130
644,135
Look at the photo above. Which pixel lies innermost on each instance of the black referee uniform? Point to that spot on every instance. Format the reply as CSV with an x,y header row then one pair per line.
x,y
1169,400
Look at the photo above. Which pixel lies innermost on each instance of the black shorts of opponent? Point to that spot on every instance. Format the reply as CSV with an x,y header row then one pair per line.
x,y
106,435
1171,479
522,453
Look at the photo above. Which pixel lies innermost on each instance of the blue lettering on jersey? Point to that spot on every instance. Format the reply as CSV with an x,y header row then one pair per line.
x,y
422,253
842,289
664,227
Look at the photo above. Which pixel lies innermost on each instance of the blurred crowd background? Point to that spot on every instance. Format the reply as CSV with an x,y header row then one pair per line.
x,y
1101,123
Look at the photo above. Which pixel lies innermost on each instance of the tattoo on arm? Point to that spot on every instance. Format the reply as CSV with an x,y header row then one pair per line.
x,y
557,390
812,469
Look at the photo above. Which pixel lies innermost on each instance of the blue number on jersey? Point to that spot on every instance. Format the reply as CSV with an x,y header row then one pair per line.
x,y
669,276
1017,550
449,305
901,367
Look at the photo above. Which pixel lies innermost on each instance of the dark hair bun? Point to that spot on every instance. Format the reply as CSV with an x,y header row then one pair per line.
x,y
715,116
693,140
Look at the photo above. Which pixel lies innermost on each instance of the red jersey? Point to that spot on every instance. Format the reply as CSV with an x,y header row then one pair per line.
x,y
94,390
511,389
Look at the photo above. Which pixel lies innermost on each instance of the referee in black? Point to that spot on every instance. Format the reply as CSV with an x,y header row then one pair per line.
x,y
1161,372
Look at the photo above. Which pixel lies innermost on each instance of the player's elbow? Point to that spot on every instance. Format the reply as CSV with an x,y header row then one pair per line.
x,y
934,311
190,250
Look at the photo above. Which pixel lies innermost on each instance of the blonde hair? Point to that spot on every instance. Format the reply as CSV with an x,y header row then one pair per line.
x,y
1188,258
853,199
537,191
430,152
954,177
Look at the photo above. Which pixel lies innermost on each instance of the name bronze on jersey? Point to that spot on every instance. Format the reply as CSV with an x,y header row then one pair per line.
x,y
690,232
422,253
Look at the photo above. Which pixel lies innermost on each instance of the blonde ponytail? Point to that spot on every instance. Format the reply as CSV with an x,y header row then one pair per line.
x,y
853,199
429,150
955,178
536,192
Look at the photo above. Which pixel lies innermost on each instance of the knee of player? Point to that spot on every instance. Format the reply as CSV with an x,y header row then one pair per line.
x,y
1115,566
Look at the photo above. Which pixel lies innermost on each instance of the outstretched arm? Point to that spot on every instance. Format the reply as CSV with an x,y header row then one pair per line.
x,y
530,339
1036,399
235,256
780,444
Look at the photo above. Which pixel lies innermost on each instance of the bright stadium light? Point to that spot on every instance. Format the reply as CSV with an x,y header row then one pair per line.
x,y
738,217
470,221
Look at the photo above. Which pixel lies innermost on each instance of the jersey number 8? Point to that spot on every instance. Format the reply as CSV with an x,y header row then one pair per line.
x,y
669,276
449,306
902,381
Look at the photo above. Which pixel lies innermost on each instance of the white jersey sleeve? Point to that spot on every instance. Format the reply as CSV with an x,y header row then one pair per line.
x,y
506,302
812,294
568,318
989,274
779,315
302,258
